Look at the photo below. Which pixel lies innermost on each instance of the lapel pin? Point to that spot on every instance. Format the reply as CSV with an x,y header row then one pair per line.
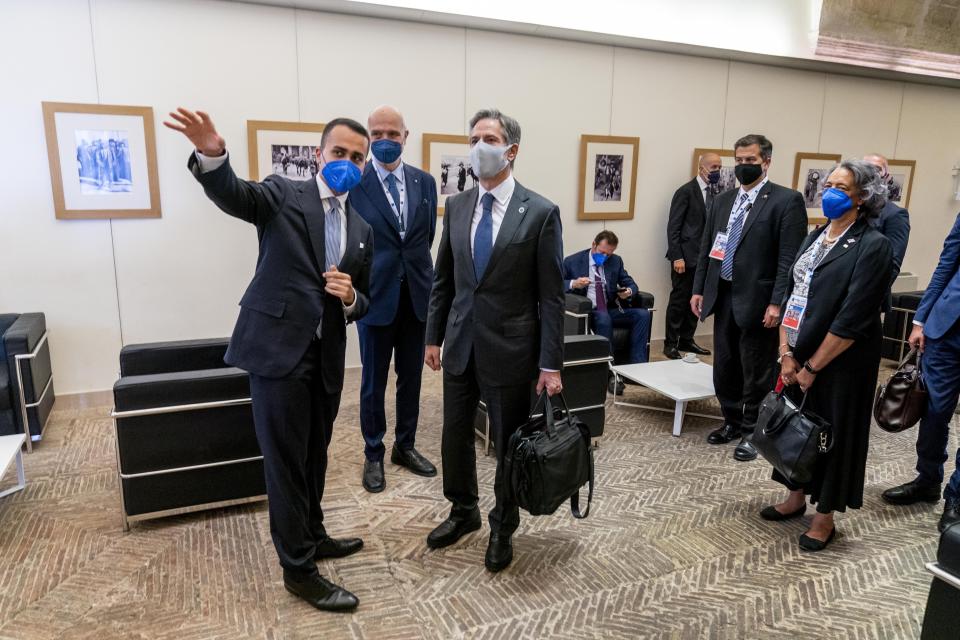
x,y
361,245
521,210
852,240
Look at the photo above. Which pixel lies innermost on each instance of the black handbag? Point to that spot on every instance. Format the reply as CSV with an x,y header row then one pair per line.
x,y
548,459
791,439
901,401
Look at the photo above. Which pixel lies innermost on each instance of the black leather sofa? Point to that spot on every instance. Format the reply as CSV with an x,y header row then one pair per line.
x,y
943,601
26,375
577,321
184,430
898,323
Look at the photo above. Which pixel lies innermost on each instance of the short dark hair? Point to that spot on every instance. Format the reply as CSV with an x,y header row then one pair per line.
x,y
766,147
349,123
607,235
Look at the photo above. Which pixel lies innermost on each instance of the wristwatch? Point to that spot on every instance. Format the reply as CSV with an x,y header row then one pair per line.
x,y
810,369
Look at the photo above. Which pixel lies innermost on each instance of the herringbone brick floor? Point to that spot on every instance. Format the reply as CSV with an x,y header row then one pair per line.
x,y
673,549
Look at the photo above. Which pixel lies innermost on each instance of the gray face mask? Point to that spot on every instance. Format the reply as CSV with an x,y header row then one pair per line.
x,y
488,160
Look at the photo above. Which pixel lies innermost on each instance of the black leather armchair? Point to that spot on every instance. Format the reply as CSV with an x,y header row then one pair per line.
x,y
184,429
577,321
26,375
943,601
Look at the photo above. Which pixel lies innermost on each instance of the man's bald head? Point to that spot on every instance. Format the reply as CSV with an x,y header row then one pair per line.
x,y
386,123
879,161
710,162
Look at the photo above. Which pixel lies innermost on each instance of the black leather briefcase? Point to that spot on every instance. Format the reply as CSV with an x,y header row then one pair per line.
x,y
548,459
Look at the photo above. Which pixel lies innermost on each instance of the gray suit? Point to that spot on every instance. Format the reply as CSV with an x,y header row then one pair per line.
x,y
496,335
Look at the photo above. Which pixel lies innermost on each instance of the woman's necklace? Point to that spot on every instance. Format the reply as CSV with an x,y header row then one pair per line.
x,y
831,240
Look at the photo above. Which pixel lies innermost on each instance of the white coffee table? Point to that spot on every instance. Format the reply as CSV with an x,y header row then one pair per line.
x,y
10,450
680,381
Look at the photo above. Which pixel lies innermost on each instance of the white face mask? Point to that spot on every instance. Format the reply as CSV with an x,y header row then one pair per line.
x,y
488,160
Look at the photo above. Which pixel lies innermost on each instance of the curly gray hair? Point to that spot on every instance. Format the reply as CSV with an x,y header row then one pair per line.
x,y
869,184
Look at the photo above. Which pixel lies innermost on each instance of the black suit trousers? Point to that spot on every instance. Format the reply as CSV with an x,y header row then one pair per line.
x,y
507,409
681,323
294,418
744,363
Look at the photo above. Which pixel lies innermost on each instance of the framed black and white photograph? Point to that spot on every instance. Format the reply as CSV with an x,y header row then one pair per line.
x,y
447,158
103,161
810,171
608,166
728,179
900,182
287,149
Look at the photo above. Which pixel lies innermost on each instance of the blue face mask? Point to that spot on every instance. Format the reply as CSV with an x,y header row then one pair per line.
x,y
835,203
713,177
386,151
599,259
341,175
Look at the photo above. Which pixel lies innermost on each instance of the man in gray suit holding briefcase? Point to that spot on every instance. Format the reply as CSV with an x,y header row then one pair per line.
x,y
497,309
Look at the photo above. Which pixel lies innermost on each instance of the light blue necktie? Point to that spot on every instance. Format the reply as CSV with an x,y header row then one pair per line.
x,y
733,239
395,194
331,234
483,238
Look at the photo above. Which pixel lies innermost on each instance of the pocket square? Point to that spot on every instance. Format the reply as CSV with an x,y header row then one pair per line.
x,y
361,245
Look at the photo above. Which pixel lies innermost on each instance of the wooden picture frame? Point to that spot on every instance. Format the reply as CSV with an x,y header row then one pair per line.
x,y
103,161
900,184
264,136
810,170
728,179
608,176
447,158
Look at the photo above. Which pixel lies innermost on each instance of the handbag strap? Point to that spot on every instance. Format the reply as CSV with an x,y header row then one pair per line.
x,y
575,498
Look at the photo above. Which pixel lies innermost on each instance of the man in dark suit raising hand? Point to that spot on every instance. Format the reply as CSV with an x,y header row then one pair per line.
x,y
312,278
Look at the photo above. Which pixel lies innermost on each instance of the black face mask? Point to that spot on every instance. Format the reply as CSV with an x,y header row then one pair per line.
x,y
748,173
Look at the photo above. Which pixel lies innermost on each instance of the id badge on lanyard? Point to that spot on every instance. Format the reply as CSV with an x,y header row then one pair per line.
x,y
719,249
797,304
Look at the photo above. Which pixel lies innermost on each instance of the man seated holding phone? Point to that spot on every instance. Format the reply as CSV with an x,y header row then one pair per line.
x,y
598,269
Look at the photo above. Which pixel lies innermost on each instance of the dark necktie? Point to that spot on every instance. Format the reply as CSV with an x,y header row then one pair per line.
x,y
483,238
395,194
710,195
601,293
331,233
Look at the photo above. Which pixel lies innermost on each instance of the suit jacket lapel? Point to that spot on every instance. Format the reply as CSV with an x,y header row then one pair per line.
x,y
371,185
847,243
412,183
755,210
351,247
312,208
516,211
697,195
461,243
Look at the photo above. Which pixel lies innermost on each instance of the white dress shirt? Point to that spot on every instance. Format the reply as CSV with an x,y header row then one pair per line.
x,y
501,198
382,173
211,163
703,187
751,198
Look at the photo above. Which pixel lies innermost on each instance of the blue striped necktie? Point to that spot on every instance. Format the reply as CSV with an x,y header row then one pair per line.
x,y
331,233
733,239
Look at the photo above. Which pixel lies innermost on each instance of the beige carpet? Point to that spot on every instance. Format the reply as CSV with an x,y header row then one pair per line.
x,y
673,549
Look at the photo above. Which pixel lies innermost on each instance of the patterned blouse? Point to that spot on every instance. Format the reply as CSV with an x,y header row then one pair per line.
x,y
809,260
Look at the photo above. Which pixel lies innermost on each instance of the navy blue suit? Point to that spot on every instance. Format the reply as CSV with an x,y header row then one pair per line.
x,y
939,311
580,265
894,223
400,284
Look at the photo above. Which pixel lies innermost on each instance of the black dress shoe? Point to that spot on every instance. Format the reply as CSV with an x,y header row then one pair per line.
x,y
745,451
724,434
911,492
450,530
672,352
499,553
412,460
951,515
693,347
373,476
812,544
331,548
320,592
615,386
771,513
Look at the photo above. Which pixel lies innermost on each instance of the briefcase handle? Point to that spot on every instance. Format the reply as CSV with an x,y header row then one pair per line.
x,y
551,428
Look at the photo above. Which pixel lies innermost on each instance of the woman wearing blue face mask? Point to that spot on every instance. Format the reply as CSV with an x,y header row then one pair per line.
x,y
830,343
